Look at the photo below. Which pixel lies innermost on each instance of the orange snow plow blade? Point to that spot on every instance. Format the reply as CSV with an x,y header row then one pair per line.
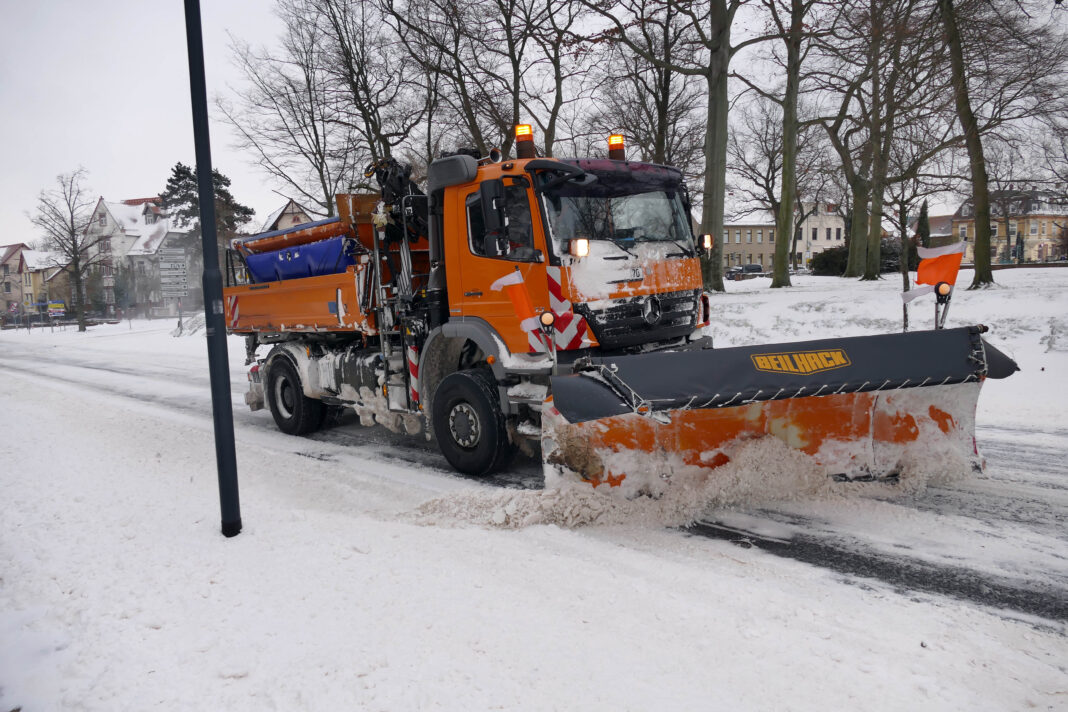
x,y
636,422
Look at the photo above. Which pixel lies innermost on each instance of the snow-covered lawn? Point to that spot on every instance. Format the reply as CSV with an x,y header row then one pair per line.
x,y
361,581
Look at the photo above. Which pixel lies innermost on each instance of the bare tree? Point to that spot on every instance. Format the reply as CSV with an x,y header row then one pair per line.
x,y
656,107
756,156
1055,150
502,37
789,21
289,112
554,80
1007,173
436,35
973,141
850,141
63,215
1061,242
883,62
1006,65
381,91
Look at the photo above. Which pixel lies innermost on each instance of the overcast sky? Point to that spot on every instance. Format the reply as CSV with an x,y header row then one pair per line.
x,y
104,84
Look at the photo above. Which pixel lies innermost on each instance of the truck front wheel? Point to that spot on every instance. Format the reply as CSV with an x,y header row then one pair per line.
x,y
469,425
294,412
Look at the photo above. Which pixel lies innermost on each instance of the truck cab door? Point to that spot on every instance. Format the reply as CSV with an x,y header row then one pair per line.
x,y
503,234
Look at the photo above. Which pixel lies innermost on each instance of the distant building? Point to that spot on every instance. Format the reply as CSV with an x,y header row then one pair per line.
x,y
290,214
44,281
749,239
1025,225
11,279
127,235
749,236
822,228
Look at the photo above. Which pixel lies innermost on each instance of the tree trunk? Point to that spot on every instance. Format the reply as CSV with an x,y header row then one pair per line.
x,y
878,163
858,229
784,220
973,143
716,150
663,101
875,233
784,227
77,297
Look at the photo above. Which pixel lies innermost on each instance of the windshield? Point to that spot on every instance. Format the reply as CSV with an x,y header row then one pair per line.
x,y
624,206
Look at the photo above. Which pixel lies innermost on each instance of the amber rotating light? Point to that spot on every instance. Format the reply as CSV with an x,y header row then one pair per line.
x,y
616,150
524,141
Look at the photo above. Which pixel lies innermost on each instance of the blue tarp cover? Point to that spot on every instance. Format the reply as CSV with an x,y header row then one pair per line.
x,y
328,256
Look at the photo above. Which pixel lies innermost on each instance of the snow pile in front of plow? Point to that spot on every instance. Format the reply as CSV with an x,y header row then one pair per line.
x,y
759,472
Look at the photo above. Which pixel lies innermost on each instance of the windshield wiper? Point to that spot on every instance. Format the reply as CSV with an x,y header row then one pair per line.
x,y
684,253
619,243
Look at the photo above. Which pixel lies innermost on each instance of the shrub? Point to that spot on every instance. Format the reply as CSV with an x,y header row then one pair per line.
x,y
831,262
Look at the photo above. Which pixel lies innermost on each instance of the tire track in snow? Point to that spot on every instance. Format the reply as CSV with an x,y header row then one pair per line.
x,y
375,442
902,573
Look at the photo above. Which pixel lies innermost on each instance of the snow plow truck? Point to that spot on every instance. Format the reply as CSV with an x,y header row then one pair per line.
x,y
558,303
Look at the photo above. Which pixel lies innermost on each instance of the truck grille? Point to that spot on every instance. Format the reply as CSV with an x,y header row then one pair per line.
x,y
624,322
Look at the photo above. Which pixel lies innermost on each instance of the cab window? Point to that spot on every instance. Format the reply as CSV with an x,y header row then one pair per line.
x,y
515,241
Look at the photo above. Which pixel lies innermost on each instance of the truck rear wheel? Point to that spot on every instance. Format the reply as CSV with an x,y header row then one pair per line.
x,y
294,412
469,424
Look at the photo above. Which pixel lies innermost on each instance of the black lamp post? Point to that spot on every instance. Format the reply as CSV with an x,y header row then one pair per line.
x,y
218,362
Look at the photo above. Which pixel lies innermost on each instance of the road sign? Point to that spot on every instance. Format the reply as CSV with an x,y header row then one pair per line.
x,y
171,293
176,266
171,253
173,279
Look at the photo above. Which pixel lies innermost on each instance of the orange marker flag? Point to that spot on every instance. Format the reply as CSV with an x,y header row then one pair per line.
x,y
517,292
937,264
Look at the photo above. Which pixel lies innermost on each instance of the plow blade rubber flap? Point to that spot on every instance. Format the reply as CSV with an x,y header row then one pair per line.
x,y
720,378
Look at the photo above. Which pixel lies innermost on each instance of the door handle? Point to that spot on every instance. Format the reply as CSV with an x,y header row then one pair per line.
x,y
475,293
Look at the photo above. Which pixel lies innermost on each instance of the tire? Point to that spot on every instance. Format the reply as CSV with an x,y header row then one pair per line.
x,y
295,413
469,425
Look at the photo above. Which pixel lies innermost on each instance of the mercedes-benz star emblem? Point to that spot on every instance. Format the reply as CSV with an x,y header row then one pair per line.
x,y
651,311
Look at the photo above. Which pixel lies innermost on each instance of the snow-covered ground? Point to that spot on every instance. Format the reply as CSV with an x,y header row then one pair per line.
x,y
368,576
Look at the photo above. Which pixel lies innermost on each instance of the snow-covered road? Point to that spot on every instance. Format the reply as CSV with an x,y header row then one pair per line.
x,y
369,576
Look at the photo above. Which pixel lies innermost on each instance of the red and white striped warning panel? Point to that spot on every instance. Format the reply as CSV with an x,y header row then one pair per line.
x,y
413,373
234,311
572,332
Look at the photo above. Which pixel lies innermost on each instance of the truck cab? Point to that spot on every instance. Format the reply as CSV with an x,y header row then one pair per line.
x,y
603,245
